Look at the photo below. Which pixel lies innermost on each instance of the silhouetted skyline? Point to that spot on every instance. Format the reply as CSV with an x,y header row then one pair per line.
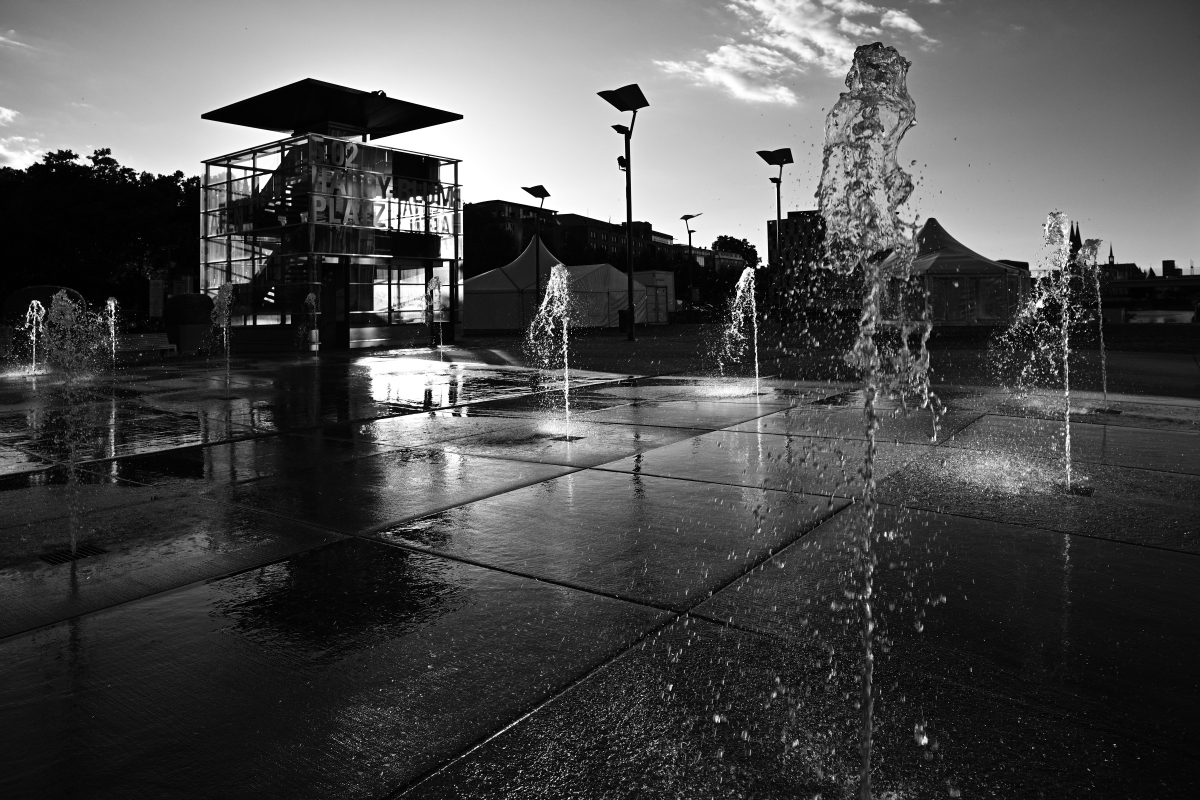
x,y
1022,107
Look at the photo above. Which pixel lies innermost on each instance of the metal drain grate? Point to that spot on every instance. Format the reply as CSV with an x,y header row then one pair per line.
x,y
565,438
66,556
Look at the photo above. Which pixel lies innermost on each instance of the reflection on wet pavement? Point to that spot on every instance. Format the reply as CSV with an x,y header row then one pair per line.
x,y
336,576
663,542
342,672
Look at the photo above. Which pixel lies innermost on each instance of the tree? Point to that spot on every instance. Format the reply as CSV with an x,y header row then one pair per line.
x,y
96,226
728,244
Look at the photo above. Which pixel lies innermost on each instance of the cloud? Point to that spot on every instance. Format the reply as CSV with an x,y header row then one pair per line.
x,y
19,151
747,71
7,115
9,40
787,38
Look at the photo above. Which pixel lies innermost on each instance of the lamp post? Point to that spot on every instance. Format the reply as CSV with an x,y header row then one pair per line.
x,y
691,261
539,192
778,158
627,98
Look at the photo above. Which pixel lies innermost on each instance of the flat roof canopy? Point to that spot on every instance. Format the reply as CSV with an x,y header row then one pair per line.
x,y
312,106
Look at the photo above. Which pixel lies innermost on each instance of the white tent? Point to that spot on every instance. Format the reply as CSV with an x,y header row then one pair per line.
x,y
503,299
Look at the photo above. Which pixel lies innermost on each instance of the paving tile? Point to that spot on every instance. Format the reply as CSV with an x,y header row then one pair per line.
x,y
1166,450
1054,617
704,711
233,462
916,427
1166,413
13,462
35,497
343,672
791,463
710,415
369,492
1161,509
589,443
150,548
656,540
415,430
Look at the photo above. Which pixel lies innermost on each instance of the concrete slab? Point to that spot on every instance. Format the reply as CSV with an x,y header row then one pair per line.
x,y
98,430
664,542
343,672
35,497
849,423
580,444
1165,450
1150,412
790,463
1159,509
705,711
13,462
366,493
1059,618
710,415
415,430
151,548
233,462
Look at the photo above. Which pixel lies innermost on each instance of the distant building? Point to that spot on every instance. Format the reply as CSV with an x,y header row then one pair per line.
x,y
495,231
1112,271
802,240
1169,270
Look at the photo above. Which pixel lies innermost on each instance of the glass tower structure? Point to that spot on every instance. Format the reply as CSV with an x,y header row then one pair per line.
x,y
362,229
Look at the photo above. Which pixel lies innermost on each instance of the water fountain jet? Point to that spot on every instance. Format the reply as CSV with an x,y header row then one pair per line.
x,y
34,318
555,315
221,314
743,313
862,188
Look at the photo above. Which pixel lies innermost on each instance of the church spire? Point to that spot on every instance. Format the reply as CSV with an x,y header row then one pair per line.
x,y
1110,255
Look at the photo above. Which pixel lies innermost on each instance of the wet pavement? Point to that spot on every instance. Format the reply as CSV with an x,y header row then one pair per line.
x,y
405,574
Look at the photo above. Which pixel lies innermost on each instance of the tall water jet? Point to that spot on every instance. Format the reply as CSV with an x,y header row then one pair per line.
x,y
550,332
74,341
1057,238
110,308
221,314
433,310
862,188
743,315
34,317
1088,260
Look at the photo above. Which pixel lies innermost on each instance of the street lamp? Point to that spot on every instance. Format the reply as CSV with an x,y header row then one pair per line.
x,y
691,265
627,98
541,194
777,158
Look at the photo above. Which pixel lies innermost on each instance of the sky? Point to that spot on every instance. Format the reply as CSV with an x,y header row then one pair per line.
x,y
1023,106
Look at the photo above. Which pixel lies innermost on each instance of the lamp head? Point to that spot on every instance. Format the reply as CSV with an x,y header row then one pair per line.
x,y
777,158
774,180
621,129
538,191
627,98
686,217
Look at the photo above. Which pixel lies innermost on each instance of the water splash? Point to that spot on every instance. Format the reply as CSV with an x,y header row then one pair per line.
x,y
862,188
1057,237
111,307
221,314
549,337
1088,257
34,318
74,344
303,339
743,316
433,310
